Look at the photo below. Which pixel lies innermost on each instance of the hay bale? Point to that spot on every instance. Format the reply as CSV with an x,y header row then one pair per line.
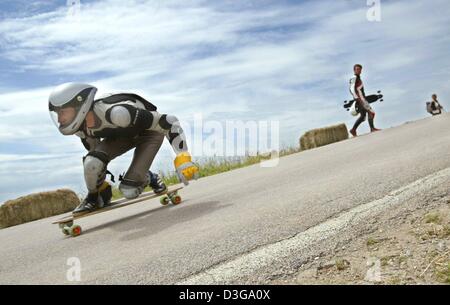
x,y
323,136
37,206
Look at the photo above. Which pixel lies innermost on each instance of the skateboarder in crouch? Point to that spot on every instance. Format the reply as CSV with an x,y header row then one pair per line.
x,y
111,125
357,91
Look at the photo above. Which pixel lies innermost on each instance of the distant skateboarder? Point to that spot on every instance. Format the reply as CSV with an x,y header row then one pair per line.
x,y
111,125
434,107
357,91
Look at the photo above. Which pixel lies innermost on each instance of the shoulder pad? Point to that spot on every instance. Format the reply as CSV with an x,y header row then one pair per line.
x,y
122,97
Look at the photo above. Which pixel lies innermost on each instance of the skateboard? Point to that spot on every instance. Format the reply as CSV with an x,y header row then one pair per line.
x,y
66,224
370,99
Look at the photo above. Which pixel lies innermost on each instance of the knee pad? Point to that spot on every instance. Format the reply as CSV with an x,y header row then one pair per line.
x,y
94,171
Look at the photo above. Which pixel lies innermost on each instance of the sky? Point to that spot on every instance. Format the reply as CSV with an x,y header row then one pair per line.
x,y
251,61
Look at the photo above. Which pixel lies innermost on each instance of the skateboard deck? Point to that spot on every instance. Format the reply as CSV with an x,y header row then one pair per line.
x,y
370,99
68,227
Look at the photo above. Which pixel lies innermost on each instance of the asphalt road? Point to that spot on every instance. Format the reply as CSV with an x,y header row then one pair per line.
x,y
229,214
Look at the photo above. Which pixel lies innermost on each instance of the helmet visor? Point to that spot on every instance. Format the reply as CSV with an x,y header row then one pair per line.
x,y
64,116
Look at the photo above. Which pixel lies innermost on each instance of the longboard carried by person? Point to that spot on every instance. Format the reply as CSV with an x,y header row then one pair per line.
x,y
353,106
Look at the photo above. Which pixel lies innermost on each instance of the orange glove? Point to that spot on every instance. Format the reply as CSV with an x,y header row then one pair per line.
x,y
186,169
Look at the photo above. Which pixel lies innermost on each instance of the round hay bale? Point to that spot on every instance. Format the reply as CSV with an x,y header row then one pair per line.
x,y
323,136
37,206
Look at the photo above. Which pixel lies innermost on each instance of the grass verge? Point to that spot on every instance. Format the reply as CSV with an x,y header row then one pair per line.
x,y
213,166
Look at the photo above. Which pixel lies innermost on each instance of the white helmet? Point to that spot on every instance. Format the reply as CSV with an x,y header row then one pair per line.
x,y
69,104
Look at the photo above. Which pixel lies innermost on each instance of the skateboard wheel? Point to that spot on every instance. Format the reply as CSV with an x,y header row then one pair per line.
x,y
65,232
75,230
164,200
176,199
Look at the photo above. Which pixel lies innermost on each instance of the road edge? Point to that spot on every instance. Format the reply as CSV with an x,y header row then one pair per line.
x,y
240,269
